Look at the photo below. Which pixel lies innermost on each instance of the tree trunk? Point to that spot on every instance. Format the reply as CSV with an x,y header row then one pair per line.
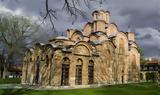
x,y
4,72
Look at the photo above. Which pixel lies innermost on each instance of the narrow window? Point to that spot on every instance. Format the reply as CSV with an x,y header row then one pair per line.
x,y
65,72
78,80
78,75
91,72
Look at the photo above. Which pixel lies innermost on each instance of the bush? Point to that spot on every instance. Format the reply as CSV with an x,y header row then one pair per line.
x,y
10,80
151,76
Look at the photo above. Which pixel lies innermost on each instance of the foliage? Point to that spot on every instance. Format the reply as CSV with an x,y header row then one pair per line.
x,y
151,76
15,33
10,80
142,59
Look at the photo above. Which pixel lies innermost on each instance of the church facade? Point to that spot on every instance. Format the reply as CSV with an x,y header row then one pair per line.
x,y
99,54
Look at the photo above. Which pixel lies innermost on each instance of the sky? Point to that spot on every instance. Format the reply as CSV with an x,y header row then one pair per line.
x,y
139,16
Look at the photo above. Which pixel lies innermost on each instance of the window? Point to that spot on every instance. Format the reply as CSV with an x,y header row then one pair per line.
x,y
47,61
78,75
97,16
51,55
91,72
37,70
30,59
65,72
78,80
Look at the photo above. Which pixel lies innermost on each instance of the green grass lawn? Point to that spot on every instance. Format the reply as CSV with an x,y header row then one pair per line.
x,y
129,89
10,80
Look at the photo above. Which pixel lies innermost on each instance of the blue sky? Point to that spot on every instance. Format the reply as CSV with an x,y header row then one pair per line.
x,y
139,16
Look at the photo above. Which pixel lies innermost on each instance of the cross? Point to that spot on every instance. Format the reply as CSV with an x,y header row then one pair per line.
x,y
100,3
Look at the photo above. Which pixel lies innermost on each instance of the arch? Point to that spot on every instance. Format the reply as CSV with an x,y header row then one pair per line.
x,y
65,71
91,62
79,61
82,45
27,55
109,45
134,51
112,30
134,63
38,50
66,60
122,34
49,46
38,45
87,29
122,42
77,36
49,50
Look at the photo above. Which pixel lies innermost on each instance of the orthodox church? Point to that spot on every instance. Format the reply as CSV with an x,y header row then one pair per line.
x,y
98,54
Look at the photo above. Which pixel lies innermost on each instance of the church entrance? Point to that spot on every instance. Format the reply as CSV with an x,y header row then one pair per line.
x,y
65,75
78,80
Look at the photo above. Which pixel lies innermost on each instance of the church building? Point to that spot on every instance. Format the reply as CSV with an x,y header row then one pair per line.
x,y
98,54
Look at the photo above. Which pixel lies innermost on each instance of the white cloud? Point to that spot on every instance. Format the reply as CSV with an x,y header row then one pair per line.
x,y
17,12
5,10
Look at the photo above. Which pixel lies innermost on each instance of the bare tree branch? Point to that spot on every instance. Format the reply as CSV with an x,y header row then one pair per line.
x,y
70,6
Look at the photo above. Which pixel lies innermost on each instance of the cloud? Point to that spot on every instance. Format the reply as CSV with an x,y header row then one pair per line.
x,y
149,40
17,12
141,16
3,9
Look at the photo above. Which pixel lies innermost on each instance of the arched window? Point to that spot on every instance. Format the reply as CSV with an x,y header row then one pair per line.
x,y
65,71
91,72
51,55
47,61
30,60
37,69
78,75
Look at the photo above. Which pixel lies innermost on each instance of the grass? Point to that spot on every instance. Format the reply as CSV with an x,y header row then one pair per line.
x,y
128,89
10,80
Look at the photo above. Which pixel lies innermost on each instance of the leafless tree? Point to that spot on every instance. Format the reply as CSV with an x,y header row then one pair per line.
x,y
72,7
15,33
